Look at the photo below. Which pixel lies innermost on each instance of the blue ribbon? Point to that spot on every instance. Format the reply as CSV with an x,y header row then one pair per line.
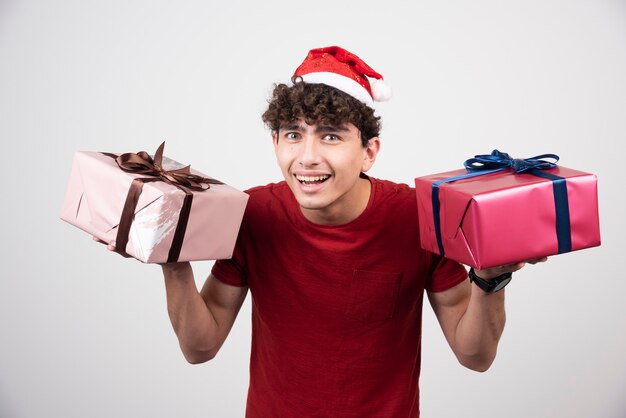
x,y
500,161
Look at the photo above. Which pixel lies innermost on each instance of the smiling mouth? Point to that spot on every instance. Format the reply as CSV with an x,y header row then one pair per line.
x,y
309,180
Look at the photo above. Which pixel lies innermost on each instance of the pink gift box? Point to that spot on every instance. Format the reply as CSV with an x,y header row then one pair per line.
x,y
504,217
97,192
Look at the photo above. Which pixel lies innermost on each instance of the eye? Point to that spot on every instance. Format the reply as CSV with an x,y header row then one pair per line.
x,y
331,138
291,135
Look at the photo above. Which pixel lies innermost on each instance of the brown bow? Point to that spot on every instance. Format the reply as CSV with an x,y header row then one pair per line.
x,y
142,163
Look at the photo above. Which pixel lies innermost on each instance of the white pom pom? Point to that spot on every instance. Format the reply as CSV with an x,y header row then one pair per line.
x,y
380,90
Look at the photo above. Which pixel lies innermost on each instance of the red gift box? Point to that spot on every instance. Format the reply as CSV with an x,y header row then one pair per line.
x,y
500,217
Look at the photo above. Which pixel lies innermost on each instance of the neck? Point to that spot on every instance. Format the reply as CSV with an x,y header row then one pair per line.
x,y
341,212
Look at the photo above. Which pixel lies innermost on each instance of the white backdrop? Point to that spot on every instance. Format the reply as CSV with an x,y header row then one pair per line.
x,y
85,333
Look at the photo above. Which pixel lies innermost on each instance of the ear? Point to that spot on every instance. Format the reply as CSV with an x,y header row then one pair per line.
x,y
275,138
369,153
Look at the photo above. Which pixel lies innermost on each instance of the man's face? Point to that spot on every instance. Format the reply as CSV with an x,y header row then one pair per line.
x,y
322,166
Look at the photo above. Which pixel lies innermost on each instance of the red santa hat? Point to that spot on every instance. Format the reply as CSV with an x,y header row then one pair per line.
x,y
341,69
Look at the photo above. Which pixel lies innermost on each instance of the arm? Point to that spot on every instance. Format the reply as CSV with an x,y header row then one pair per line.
x,y
201,320
472,320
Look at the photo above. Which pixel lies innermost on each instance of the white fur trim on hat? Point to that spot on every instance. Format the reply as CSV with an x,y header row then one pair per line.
x,y
343,83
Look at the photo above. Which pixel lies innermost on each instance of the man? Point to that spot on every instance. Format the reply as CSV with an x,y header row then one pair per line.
x,y
333,263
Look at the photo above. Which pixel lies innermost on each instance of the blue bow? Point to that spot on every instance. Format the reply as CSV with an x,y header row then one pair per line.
x,y
503,160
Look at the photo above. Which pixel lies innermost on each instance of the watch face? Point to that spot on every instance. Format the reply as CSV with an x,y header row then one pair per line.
x,y
501,284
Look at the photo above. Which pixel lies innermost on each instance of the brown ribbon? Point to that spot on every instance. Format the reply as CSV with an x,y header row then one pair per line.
x,y
142,163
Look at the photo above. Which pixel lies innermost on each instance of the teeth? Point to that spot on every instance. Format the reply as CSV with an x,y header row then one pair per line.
x,y
312,178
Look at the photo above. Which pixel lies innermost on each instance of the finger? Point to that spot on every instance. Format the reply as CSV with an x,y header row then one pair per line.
x,y
110,246
95,238
510,268
539,260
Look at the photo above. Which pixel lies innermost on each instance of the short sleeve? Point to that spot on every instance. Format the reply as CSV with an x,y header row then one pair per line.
x,y
233,271
445,274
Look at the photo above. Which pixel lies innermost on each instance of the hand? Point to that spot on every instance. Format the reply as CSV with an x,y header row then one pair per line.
x,y
493,272
178,270
110,247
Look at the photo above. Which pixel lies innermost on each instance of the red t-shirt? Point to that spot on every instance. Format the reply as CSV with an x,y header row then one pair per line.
x,y
336,309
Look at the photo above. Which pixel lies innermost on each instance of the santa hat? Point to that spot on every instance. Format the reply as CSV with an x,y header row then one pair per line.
x,y
338,68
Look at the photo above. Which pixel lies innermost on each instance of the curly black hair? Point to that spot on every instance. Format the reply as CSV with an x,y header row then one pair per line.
x,y
319,104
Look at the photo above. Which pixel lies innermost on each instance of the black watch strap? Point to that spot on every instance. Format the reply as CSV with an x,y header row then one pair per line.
x,y
490,286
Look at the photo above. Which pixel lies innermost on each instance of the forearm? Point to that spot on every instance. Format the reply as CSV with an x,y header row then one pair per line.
x,y
193,323
479,330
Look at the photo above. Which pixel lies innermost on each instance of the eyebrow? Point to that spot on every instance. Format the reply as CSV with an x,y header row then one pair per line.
x,y
318,129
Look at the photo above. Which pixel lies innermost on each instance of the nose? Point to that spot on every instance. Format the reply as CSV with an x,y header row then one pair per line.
x,y
309,155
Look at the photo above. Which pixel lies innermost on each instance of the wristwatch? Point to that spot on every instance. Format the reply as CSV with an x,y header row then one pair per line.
x,y
493,285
